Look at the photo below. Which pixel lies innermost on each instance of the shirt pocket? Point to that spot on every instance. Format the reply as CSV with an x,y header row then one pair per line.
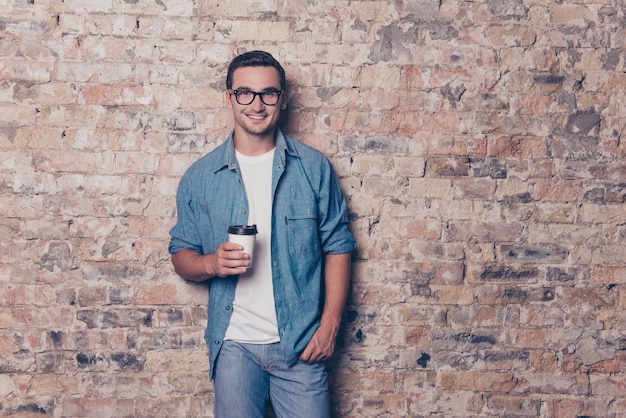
x,y
302,229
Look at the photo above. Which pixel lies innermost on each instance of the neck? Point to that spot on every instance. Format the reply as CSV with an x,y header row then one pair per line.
x,y
252,145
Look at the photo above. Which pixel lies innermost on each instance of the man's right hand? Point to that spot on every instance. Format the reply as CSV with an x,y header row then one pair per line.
x,y
227,260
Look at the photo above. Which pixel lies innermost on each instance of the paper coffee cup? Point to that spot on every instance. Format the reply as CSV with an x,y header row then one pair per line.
x,y
244,235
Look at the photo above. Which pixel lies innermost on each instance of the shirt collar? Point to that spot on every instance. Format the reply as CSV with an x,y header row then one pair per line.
x,y
230,160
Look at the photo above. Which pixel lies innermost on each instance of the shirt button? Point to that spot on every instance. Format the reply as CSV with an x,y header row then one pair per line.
x,y
243,211
217,342
227,308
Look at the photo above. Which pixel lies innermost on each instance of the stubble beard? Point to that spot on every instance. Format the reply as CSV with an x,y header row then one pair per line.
x,y
258,130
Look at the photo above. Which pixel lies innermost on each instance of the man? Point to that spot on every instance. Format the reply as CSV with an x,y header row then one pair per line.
x,y
271,326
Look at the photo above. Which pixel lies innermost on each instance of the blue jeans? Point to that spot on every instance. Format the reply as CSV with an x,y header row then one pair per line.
x,y
247,374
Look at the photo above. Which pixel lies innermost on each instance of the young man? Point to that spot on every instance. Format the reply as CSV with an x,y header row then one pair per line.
x,y
270,326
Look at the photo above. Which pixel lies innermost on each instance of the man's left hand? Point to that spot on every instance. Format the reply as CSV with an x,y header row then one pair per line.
x,y
321,346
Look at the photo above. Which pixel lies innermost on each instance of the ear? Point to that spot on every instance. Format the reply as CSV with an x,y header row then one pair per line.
x,y
227,101
283,101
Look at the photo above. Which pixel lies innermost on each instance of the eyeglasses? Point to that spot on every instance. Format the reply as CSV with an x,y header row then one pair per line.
x,y
245,97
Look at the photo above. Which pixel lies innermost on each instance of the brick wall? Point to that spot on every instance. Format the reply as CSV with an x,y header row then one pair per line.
x,y
481,147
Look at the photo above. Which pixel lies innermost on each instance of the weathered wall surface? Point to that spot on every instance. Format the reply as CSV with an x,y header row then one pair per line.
x,y
481,146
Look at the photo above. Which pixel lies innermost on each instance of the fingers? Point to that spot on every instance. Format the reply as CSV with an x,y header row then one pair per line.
x,y
230,260
316,351
314,356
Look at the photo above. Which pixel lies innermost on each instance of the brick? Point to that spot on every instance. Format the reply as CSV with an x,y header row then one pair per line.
x,y
365,10
423,315
403,228
417,337
446,122
379,186
483,231
477,381
514,405
28,71
371,165
475,189
97,407
117,25
571,14
549,383
42,317
135,163
408,123
542,361
92,296
507,36
46,94
82,6
482,316
428,187
188,360
536,253
554,213
7,386
362,143
377,76
565,407
27,295
155,294
445,167
111,95
377,123
453,295
49,385
266,31
409,166
558,192
454,404
115,318
382,99
598,297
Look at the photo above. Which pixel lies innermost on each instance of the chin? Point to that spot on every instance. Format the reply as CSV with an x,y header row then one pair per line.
x,y
261,131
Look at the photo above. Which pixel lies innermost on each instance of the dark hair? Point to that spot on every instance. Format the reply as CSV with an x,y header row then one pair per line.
x,y
255,59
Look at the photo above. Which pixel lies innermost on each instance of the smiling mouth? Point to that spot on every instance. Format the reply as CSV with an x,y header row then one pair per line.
x,y
256,116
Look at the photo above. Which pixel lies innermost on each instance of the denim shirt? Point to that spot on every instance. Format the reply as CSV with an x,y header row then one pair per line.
x,y
309,220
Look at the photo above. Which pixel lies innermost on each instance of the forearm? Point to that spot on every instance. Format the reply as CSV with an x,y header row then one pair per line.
x,y
191,265
337,282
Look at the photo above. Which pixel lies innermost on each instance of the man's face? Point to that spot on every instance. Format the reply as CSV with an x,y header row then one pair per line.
x,y
256,119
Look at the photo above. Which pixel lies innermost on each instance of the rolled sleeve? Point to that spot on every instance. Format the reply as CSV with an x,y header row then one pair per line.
x,y
185,234
333,215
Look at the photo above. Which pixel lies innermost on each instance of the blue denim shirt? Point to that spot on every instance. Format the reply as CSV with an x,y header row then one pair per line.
x,y
309,220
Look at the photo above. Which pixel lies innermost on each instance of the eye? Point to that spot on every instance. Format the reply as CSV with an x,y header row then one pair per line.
x,y
243,93
270,93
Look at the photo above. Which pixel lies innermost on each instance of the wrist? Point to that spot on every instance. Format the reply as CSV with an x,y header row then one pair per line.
x,y
208,263
330,321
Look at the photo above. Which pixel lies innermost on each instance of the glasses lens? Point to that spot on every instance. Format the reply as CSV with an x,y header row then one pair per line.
x,y
270,97
244,97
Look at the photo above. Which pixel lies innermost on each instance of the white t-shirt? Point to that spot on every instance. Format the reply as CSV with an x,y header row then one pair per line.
x,y
253,320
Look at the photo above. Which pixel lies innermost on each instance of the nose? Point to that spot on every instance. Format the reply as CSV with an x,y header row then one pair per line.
x,y
257,103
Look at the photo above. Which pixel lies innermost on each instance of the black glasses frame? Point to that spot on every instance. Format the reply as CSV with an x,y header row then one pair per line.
x,y
255,94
